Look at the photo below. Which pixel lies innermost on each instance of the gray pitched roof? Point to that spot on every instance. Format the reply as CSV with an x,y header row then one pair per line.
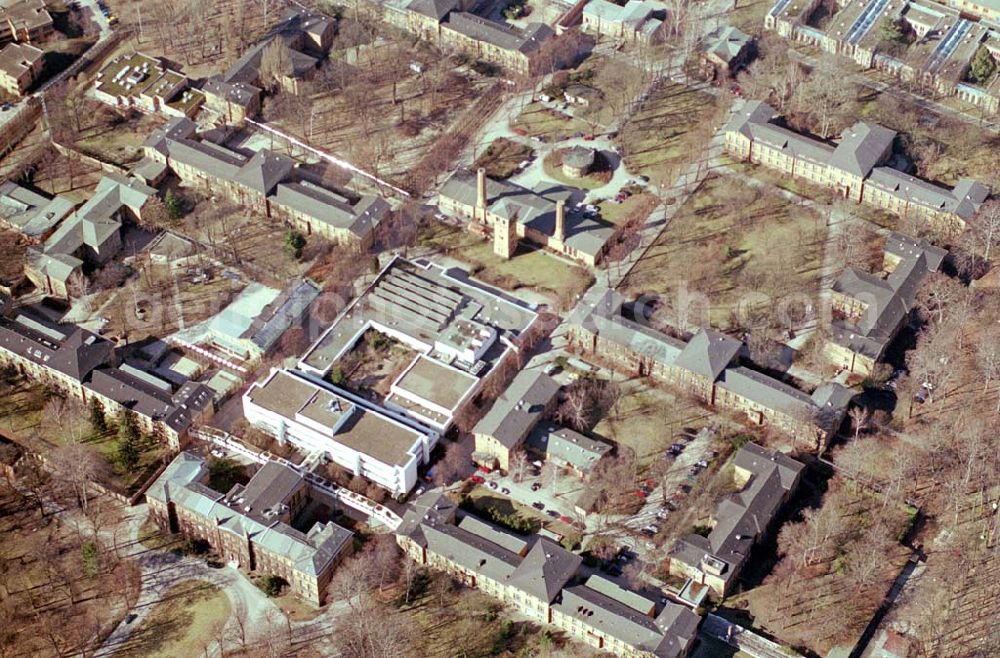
x,y
264,170
432,507
436,9
963,200
666,636
727,42
534,209
741,518
504,36
311,553
545,570
862,146
581,451
32,214
517,410
708,353
67,349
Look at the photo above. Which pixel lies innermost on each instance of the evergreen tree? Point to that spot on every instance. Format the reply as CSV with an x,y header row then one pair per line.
x,y
891,31
174,204
295,242
127,452
97,418
983,66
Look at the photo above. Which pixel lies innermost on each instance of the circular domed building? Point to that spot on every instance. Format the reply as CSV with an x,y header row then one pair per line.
x,y
578,161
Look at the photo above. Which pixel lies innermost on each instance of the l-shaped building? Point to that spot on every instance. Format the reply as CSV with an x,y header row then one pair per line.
x,y
267,182
542,580
708,367
854,168
766,480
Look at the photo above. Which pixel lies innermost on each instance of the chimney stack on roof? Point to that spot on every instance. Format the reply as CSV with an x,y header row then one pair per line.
x,y
481,191
560,232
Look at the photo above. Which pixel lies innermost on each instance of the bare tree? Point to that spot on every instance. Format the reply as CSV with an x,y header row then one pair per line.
x,y
275,64
860,418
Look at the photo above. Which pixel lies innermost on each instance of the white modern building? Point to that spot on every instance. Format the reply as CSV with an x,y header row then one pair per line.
x,y
432,392
374,442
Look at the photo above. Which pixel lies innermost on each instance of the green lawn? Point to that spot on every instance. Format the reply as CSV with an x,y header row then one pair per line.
x,y
183,623
616,213
539,121
531,269
25,418
743,248
646,419
502,157
667,132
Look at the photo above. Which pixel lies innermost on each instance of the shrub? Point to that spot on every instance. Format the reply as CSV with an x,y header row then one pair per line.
x,y
271,585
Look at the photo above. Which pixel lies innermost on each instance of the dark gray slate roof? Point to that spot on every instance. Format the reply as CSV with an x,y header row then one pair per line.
x,y
963,200
741,518
431,507
533,208
176,410
470,551
517,410
67,349
708,353
501,35
545,570
862,146
436,9
666,636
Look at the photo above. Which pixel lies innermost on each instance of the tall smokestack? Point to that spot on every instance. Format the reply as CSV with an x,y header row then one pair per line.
x,y
560,233
481,191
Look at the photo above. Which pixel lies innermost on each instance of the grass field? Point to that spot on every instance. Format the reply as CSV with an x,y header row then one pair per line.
x,y
448,616
646,420
617,212
536,120
667,132
44,423
534,270
502,157
181,624
743,248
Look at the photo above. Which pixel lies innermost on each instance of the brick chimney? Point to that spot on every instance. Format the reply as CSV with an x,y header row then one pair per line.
x,y
560,232
481,192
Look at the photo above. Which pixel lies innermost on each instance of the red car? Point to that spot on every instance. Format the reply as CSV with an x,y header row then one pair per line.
x,y
566,519
520,131
588,138
475,479
640,493
484,469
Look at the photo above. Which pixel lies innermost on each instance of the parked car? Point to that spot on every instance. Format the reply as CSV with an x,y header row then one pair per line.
x,y
485,469
679,447
535,486
670,505
505,491
538,505
492,485
701,463
565,519
554,514
476,479
640,493
6,106
662,513
650,530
